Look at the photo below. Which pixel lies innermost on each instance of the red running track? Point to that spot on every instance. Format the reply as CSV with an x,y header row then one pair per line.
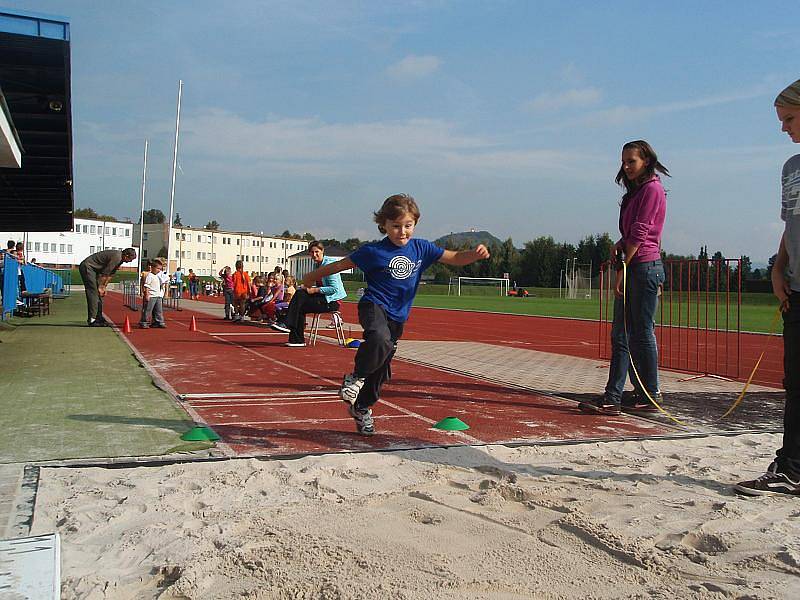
x,y
680,347
266,399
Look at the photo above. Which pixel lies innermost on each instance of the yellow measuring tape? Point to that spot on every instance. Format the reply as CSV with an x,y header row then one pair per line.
x,y
661,409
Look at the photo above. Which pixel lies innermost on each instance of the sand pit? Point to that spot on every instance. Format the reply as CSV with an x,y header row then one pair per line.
x,y
649,519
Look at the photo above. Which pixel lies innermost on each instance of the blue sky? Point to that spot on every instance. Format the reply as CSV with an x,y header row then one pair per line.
x,y
507,116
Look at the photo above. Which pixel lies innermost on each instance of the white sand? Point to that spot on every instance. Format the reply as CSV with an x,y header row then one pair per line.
x,y
651,519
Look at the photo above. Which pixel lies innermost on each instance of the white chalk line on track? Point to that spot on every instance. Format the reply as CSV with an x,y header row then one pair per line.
x,y
258,395
465,437
239,403
317,421
221,333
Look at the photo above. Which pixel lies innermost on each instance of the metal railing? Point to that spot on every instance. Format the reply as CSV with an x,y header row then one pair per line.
x,y
698,325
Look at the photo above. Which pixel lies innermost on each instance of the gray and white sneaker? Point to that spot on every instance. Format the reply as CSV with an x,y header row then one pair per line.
x,y
365,424
351,386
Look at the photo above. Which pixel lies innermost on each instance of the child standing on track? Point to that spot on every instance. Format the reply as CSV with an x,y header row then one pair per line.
x,y
153,294
783,474
227,291
241,290
392,267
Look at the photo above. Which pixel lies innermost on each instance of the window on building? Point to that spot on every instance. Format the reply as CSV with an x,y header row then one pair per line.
x,y
69,248
127,231
198,256
144,236
29,246
36,246
214,256
177,254
92,228
86,229
108,230
113,231
177,236
204,256
62,248
52,247
144,253
91,250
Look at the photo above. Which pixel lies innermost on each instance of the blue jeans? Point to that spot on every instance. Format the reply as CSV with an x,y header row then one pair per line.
x,y
644,281
228,293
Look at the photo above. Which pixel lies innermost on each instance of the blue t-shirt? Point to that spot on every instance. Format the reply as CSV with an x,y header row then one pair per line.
x,y
393,272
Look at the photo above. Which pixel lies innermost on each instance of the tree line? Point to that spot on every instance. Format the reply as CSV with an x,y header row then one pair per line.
x,y
540,262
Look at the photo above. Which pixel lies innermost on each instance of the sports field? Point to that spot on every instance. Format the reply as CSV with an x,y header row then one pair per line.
x,y
757,310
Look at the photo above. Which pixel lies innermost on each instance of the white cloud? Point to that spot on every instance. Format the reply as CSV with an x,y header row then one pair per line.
x,y
625,114
414,67
577,97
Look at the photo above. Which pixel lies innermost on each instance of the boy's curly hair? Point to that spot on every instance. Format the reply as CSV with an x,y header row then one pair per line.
x,y
395,207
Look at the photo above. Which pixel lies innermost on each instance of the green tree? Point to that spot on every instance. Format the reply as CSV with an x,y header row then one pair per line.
x,y
154,216
85,213
177,220
212,226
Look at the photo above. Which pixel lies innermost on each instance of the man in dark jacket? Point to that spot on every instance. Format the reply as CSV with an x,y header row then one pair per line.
x,y
96,271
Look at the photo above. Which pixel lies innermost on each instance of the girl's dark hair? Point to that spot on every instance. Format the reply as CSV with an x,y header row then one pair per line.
x,y
316,244
395,207
648,154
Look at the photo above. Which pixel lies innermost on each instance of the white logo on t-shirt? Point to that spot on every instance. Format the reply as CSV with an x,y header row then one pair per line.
x,y
401,267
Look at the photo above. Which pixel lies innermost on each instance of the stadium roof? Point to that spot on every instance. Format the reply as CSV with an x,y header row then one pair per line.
x,y
36,189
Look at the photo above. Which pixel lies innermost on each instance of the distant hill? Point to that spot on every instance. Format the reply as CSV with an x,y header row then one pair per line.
x,y
471,238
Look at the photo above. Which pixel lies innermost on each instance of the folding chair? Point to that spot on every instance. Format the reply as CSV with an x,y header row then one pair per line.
x,y
338,323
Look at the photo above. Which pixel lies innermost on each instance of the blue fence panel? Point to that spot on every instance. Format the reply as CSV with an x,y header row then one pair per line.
x,y
38,279
10,285
66,281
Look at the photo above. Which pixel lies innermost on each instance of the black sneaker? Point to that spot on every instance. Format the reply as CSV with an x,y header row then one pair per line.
x,y
365,424
601,405
281,327
771,482
634,403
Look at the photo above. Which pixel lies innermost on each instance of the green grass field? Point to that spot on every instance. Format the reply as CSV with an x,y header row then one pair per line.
x,y
757,310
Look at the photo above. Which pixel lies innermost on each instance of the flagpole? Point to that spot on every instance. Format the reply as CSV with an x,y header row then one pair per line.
x,y
174,166
141,218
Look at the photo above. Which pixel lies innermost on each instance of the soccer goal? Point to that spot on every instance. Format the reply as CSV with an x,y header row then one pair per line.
x,y
577,280
478,286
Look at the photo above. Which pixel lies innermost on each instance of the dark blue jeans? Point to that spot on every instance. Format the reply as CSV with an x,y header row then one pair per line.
x,y
788,457
639,311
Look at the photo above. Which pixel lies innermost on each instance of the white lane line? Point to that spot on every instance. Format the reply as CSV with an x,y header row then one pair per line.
x,y
223,333
260,395
293,421
262,403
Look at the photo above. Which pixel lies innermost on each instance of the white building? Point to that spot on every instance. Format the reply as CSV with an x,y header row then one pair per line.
x,y
300,263
207,252
68,248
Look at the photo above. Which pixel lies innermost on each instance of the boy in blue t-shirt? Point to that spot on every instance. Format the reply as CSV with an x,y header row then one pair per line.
x,y
392,267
